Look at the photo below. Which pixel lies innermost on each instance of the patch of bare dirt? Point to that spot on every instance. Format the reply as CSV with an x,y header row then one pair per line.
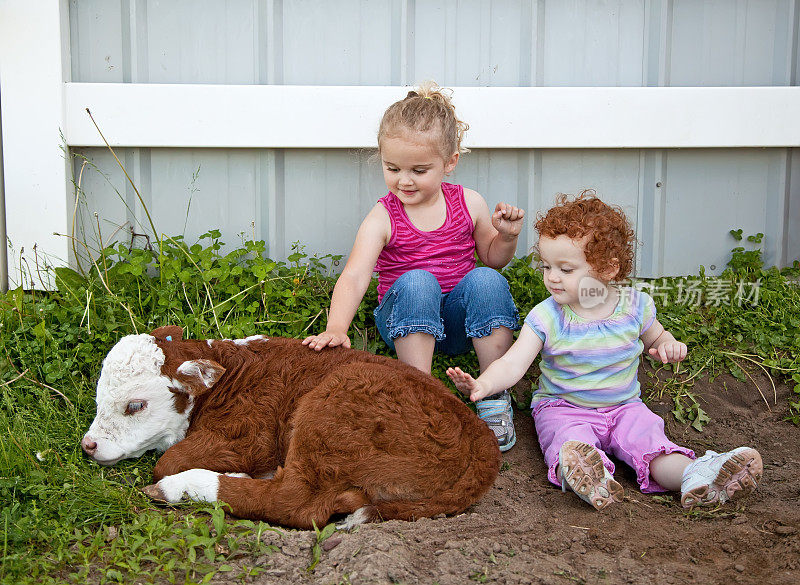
x,y
526,531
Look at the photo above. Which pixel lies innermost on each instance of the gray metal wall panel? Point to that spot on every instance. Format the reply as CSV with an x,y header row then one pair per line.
x,y
186,191
102,186
731,42
479,42
206,41
337,43
597,43
711,192
792,244
96,41
222,196
327,196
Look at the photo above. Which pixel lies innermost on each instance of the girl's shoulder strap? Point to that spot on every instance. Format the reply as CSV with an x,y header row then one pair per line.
x,y
456,202
392,204
393,208
388,199
451,191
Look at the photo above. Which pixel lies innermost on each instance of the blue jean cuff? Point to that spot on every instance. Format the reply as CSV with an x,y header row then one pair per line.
x,y
492,325
404,330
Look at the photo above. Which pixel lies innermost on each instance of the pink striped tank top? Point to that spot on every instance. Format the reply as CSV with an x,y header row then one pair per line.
x,y
447,252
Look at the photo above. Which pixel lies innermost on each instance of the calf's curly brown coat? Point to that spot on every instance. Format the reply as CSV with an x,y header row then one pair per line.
x,y
342,430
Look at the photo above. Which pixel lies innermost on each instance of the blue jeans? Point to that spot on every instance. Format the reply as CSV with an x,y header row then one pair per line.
x,y
479,303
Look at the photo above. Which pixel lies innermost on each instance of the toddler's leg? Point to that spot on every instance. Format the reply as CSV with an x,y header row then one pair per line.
x,y
409,318
668,470
637,438
569,437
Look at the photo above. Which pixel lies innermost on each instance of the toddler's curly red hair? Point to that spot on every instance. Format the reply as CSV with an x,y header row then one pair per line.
x,y
610,239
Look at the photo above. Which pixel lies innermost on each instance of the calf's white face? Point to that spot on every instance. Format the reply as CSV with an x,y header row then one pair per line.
x,y
135,407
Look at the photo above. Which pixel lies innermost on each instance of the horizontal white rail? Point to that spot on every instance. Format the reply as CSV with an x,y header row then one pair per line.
x,y
263,116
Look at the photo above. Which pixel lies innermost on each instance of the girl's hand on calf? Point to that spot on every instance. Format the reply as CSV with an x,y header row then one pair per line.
x,y
327,339
670,351
507,219
466,384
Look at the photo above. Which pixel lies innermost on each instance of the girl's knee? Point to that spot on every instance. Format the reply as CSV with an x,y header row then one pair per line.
x,y
485,279
488,287
412,305
418,282
487,303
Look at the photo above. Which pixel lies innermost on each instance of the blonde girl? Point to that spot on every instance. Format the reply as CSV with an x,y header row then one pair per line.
x,y
421,238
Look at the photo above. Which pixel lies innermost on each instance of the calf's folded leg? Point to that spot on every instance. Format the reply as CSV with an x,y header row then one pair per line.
x,y
287,499
200,451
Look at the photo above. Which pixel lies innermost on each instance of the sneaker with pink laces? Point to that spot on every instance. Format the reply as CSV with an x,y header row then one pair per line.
x,y
719,477
583,471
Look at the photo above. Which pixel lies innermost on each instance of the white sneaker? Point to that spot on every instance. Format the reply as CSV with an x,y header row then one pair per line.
x,y
719,477
583,471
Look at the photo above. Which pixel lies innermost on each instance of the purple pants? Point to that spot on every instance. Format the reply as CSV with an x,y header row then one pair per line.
x,y
631,432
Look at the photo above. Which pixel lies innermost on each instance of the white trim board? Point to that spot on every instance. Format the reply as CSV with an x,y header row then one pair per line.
x,y
264,116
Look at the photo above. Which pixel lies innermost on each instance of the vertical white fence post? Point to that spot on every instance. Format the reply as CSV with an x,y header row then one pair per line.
x,y
3,250
34,64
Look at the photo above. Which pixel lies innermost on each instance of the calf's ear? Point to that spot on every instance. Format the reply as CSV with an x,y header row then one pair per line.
x,y
199,375
168,333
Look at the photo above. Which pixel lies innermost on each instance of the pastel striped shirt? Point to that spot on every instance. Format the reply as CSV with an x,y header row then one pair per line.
x,y
591,363
447,252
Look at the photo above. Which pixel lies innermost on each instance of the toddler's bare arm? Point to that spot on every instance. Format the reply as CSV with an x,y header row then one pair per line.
x,y
662,345
502,373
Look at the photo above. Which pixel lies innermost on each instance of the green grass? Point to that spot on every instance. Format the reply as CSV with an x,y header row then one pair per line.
x,y
64,519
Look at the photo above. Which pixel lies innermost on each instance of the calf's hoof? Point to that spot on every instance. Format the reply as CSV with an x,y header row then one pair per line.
x,y
154,493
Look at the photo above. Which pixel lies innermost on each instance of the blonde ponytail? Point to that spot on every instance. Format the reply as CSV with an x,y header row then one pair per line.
x,y
426,109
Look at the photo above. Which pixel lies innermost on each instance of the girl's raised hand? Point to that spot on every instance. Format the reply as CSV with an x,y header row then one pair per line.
x,y
327,339
466,384
508,219
671,351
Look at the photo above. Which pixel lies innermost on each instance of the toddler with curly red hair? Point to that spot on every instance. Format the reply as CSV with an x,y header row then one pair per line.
x,y
591,332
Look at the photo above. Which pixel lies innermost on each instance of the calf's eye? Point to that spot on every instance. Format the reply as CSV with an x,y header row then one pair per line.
x,y
135,406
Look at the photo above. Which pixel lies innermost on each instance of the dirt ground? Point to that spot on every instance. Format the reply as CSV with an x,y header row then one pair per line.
x,y
526,531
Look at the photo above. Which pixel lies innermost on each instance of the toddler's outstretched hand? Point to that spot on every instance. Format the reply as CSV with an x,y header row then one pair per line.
x,y
508,219
672,351
466,384
326,339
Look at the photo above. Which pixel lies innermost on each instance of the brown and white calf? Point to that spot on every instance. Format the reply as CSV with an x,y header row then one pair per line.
x,y
343,431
